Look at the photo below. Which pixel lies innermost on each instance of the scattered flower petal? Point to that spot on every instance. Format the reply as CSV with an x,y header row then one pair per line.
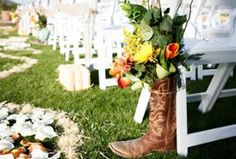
x,y
5,145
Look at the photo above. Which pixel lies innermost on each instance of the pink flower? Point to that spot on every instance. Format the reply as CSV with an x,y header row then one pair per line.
x,y
120,66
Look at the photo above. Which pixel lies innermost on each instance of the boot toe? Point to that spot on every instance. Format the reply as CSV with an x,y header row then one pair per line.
x,y
120,149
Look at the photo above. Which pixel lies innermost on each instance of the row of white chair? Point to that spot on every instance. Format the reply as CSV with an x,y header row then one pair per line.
x,y
95,44
91,42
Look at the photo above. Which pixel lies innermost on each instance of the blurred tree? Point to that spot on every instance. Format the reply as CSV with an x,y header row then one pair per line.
x,y
6,5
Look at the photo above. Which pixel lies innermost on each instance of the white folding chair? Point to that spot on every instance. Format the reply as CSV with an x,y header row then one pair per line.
x,y
109,43
218,23
108,38
191,74
220,51
208,98
58,33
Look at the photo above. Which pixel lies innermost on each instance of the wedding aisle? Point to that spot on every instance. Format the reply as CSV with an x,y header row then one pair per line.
x,y
99,116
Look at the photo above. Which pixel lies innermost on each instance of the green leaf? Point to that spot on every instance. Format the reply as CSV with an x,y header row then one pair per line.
x,y
160,40
155,41
132,77
161,72
137,85
180,20
147,86
156,15
178,33
156,30
134,12
146,31
167,11
172,68
139,68
148,17
163,60
166,24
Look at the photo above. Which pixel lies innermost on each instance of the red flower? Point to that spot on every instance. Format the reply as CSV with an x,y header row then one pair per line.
x,y
123,82
172,50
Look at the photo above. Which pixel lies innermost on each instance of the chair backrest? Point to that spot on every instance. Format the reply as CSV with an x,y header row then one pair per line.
x,y
207,16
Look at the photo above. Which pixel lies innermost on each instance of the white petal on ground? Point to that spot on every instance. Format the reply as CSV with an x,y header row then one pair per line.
x,y
25,129
8,138
5,145
48,118
20,118
3,113
38,112
69,140
4,130
45,120
46,132
12,117
40,116
38,154
7,156
56,156
28,62
4,122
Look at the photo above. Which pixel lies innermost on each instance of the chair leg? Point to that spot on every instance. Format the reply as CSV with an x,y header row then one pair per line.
x,y
102,77
142,105
181,119
217,83
200,72
67,54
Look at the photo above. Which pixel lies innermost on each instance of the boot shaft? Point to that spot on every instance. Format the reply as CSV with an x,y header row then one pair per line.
x,y
162,120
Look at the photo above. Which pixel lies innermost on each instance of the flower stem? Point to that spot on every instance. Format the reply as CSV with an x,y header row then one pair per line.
x,y
159,2
190,11
178,8
148,4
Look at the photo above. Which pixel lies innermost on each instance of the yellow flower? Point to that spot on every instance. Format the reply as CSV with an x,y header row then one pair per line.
x,y
145,53
132,41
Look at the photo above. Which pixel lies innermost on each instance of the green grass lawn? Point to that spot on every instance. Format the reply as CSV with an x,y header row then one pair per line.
x,y
6,63
106,116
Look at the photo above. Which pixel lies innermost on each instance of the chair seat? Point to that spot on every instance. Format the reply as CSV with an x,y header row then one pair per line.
x,y
216,50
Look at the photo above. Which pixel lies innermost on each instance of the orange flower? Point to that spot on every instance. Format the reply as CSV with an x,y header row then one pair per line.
x,y
172,50
120,66
123,82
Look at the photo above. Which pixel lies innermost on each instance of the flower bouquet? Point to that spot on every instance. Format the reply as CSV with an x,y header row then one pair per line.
x,y
153,50
38,20
152,54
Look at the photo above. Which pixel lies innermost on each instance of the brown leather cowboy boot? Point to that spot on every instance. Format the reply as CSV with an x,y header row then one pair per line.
x,y
162,126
